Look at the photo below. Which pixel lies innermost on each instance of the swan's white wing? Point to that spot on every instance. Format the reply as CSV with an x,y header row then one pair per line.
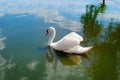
x,y
70,40
66,43
78,49
75,35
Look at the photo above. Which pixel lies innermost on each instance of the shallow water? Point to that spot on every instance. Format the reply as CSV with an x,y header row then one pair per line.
x,y
24,54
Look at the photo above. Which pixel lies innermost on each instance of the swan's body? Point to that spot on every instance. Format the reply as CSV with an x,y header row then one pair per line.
x,y
69,43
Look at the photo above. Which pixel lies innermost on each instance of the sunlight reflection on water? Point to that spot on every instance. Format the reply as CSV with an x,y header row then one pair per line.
x,y
5,65
2,44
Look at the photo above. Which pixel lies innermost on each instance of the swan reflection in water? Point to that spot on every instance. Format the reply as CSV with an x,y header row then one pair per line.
x,y
66,59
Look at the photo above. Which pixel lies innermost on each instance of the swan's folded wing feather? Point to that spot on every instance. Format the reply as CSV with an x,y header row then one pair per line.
x,y
65,43
75,35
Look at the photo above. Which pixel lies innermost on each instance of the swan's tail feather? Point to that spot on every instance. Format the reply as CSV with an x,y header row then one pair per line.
x,y
88,48
85,49
78,49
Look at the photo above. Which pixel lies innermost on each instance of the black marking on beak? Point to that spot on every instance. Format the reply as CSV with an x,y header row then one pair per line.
x,y
46,32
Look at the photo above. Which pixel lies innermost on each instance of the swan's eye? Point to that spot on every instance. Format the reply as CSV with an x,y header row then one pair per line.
x,y
47,32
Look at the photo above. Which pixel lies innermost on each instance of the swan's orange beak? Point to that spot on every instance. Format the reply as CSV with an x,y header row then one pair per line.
x,y
46,32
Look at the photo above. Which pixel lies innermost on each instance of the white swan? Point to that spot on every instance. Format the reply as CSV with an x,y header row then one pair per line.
x,y
69,43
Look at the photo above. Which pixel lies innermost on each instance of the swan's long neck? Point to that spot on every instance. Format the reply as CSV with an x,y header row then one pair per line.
x,y
53,34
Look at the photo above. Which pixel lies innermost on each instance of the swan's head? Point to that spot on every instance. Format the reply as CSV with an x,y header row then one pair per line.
x,y
50,29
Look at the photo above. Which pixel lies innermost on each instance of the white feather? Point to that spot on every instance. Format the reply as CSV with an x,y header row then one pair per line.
x,y
69,43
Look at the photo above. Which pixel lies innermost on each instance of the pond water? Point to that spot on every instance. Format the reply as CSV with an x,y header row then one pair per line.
x,y
24,54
